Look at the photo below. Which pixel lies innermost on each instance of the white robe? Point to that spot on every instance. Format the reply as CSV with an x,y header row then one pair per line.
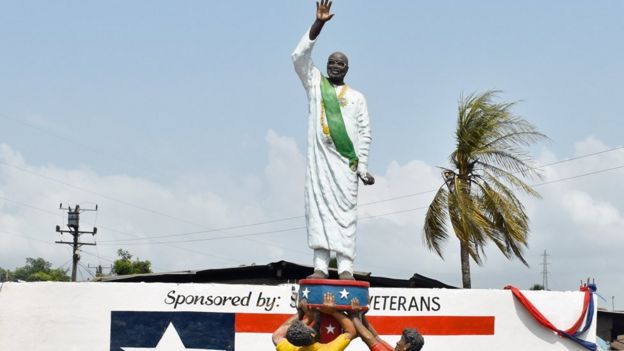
x,y
331,187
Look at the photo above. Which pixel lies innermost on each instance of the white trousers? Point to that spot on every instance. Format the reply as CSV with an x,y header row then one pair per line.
x,y
321,262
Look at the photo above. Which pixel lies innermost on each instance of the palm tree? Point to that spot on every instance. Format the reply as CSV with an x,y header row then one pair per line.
x,y
477,195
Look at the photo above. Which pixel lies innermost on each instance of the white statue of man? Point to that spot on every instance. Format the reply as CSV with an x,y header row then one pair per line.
x,y
339,138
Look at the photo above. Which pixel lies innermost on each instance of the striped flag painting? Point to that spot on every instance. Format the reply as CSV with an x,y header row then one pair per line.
x,y
194,331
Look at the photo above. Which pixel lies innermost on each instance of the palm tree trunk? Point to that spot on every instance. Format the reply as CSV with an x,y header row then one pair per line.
x,y
465,266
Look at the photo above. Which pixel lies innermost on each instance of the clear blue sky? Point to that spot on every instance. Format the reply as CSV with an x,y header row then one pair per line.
x,y
166,91
161,83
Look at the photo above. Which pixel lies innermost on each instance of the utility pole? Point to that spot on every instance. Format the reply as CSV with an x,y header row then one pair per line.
x,y
73,223
545,271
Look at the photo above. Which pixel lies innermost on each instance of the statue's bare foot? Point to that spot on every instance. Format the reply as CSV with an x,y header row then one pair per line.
x,y
318,275
346,276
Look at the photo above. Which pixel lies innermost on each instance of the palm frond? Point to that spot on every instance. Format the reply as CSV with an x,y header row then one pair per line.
x,y
510,222
501,188
470,223
515,137
435,228
509,160
496,174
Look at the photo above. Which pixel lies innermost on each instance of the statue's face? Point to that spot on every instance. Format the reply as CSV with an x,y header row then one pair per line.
x,y
337,66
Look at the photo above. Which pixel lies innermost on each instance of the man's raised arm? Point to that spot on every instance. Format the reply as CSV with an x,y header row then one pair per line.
x,y
302,56
322,16
329,308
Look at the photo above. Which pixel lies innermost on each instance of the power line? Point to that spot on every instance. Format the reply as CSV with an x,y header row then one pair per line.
x,y
82,250
86,269
25,237
290,229
100,194
55,214
578,176
528,169
151,242
98,256
580,157
222,229
211,255
62,267
119,158
260,233
119,201
273,220
222,258
208,239
297,228
367,203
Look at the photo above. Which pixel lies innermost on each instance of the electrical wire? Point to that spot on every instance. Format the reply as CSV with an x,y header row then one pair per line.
x,y
119,158
62,267
150,242
211,255
221,229
579,176
22,169
297,217
25,237
278,219
113,199
86,269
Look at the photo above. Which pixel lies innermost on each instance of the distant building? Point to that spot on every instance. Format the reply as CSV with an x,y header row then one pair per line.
x,y
610,325
275,273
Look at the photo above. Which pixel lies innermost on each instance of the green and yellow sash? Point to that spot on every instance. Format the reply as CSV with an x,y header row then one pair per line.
x,y
337,129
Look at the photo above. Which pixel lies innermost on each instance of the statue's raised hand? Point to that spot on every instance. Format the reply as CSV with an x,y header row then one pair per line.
x,y
322,10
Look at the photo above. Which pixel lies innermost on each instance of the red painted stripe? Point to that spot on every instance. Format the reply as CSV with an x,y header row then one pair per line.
x,y
385,325
434,325
259,322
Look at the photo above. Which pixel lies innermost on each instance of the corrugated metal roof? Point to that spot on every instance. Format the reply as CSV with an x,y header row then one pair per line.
x,y
274,273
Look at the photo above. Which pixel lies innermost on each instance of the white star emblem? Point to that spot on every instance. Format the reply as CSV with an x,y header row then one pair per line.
x,y
344,293
305,293
170,341
330,328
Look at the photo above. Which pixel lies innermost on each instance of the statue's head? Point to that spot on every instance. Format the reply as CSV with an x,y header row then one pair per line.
x,y
411,340
337,67
300,334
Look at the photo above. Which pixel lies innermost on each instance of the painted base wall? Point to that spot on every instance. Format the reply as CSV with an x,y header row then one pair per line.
x,y
137,316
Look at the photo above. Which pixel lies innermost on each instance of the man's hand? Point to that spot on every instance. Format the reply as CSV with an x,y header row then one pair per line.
x,y
367,179
329,303
322,16
322,10
355,305
356,308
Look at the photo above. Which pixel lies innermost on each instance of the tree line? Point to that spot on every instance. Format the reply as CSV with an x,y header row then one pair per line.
x,y
38,269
